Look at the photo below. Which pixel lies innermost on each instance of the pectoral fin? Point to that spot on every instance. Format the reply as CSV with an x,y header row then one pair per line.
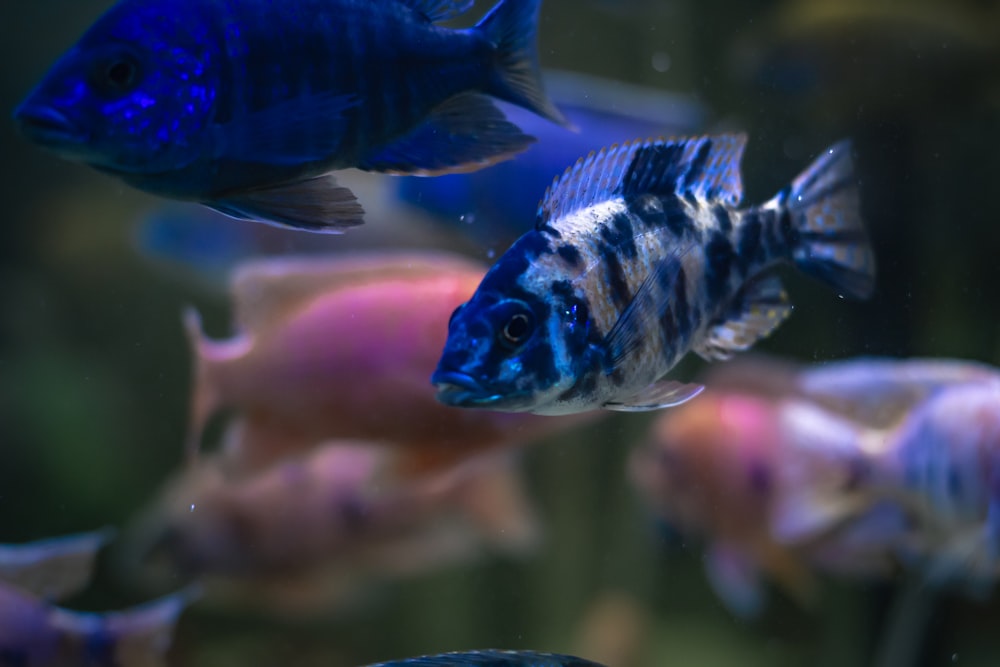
x,y
314,205
663,394
465,133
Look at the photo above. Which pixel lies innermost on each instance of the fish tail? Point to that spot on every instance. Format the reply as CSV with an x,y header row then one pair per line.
x,y
830,242
140,635
204,397
511,26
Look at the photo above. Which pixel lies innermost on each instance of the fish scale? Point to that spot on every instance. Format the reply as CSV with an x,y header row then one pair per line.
x,y
640,255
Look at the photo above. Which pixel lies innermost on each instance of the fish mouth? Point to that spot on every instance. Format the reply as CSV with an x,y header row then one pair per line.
x,y
47,126
461,390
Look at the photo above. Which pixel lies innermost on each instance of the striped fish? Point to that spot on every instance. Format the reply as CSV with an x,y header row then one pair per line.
x,y
639,255
491,658
247,106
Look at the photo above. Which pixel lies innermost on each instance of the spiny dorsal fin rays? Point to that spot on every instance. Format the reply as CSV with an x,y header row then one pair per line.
x,y
440,10
707,167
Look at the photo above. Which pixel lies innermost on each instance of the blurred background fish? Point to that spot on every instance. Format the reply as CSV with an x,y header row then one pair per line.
x,y
323,530
54,568
248,111
333,348
36,633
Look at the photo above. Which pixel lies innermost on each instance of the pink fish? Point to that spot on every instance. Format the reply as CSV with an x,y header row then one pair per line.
x,y
344,348
316,530
746,473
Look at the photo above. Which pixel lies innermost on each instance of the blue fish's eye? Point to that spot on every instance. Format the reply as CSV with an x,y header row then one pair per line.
x,y
516,330
116,74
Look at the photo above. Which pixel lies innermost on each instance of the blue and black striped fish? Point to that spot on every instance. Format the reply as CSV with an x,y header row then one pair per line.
x,y
247,105
491,658
639,255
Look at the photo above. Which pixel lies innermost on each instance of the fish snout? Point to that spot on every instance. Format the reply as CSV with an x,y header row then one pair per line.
x,y
456,388
45,125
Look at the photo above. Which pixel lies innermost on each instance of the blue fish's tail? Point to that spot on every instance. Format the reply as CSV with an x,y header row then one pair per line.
x,y
825,211
511,27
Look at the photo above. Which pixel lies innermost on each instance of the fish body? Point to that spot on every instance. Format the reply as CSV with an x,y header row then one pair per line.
x,y
775,487
245,106
639,255
331,348
491,658
312,530
34,633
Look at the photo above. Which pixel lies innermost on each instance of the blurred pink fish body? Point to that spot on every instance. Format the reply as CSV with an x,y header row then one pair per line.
x,y
344,348
311,532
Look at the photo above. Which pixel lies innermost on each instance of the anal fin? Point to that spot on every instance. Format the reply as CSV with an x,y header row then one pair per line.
x,y
465,133
315,205
754,313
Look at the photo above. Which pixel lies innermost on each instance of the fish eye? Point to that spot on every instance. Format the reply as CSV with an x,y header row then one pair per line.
x,y
121,73
516,330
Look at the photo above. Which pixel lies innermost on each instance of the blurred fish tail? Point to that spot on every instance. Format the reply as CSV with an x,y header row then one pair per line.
x,y
825,216
511,26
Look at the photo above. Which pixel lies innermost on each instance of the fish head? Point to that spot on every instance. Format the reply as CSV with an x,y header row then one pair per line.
x,y
500,353
134,95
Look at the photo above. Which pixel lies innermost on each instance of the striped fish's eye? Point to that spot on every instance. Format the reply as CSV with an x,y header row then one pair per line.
x,y
517,329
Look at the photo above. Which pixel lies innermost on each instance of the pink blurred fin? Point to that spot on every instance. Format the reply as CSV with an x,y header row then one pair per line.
x,y
54,568
264,291
735,577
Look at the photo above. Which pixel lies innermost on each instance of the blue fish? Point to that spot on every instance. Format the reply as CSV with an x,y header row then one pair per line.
x,y
640,254
496,205
247,106
491,658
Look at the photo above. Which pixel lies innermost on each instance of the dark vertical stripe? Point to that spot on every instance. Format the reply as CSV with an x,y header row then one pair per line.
x,y
723,219
695,172
615,273
618,235
748,244
682,311
719,257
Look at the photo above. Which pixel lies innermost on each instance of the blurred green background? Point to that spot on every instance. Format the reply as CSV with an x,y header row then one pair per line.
x,y
93,363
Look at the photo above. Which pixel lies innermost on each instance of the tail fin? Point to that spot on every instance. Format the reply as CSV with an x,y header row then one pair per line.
x,y
825,210
511,27
139,636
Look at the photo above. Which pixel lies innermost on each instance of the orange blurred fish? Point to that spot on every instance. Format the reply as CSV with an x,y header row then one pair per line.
x,y
313,531
344,348
729,467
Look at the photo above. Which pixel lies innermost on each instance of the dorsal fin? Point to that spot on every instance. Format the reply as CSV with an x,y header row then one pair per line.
x,y
440,10
708,167
263,289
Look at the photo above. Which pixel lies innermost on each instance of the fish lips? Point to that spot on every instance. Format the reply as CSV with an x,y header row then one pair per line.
x,y
48,127
461,390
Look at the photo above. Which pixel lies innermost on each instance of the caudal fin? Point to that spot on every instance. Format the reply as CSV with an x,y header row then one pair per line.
x,y
511,26
825,211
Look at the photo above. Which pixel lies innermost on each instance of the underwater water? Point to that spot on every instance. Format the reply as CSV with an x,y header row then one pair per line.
x,y
96,370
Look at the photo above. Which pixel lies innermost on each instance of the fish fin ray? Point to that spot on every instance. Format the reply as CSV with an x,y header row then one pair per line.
x,y
440,10
706,166
662,394
759,308
314,205
465,133
825,210
264,136
512,27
